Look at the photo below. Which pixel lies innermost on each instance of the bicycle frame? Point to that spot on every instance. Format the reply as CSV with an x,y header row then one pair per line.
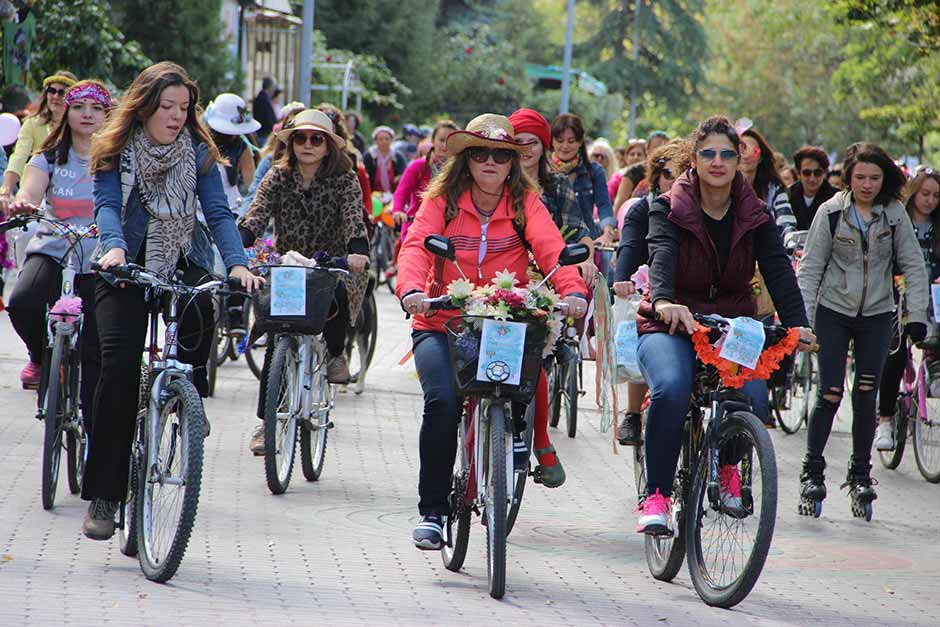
x,y
476,450
310,348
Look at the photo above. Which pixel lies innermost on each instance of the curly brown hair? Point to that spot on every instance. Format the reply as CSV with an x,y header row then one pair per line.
x,y
678,151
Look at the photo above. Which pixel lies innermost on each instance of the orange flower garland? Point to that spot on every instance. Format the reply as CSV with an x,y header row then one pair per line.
x,y
734,375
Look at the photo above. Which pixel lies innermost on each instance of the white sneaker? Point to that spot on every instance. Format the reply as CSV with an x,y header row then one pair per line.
x,y
884,437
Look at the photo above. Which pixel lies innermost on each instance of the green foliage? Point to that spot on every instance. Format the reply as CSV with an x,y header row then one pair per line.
x,y
188,32
915,21
78,35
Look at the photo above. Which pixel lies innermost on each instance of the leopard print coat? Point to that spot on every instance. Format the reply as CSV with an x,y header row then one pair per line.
x,y
322,217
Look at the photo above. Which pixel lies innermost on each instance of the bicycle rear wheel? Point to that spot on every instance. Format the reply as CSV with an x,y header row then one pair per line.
x,y
457,529
127,537
521,475
169,484
927,441
360,346
55,405
727,543
900,425
280,415
791,402
313,434
552,376
571,394
664,554
499,442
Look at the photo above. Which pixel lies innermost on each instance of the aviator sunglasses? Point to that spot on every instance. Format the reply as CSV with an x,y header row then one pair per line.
x,y
500,155
708,154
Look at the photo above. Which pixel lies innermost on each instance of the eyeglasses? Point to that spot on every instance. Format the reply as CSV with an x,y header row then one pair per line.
x,y
709,154
667,174
500,155
814,173
315,139
52,91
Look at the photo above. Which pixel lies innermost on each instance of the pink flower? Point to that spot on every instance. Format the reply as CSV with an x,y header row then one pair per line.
x,y
641,278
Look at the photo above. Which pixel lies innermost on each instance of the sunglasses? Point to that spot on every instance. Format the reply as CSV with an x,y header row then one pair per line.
x,y
500,155
814,173
315,139
709,154
835,172
52,91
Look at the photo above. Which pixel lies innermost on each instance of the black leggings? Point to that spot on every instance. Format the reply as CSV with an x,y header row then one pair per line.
x,y
122,326
871,336
39,286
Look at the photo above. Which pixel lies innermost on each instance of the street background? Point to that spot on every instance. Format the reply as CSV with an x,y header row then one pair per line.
x,y
339,552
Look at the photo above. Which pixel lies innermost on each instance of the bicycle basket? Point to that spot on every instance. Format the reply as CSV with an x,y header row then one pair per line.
x,y
463,339
317,293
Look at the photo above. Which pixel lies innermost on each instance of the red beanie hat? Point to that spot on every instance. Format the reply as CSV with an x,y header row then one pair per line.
x,y
530,121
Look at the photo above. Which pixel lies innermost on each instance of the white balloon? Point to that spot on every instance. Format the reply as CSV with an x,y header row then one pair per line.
x,y
9,128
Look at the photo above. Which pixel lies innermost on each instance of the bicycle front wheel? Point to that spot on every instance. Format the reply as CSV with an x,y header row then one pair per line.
x,y
280,415
729,531
791,401
169,483
499,443
900,424
55,403
76,439
254,352
927,441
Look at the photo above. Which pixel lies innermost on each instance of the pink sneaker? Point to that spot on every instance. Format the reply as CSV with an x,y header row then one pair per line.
x,y
656,515
29,376
729,486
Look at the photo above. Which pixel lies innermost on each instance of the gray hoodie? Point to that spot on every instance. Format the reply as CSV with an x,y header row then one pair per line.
x,y
841,273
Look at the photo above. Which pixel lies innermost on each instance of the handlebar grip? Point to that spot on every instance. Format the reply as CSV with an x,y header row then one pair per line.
x,y
12,223
123,271
441,303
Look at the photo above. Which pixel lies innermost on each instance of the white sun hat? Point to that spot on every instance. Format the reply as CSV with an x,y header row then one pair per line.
x,y
229,115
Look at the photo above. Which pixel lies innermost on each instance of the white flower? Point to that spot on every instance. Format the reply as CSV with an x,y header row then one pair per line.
x,y
501,312
459,289
484,291
476,307
505,280
549,294
555,327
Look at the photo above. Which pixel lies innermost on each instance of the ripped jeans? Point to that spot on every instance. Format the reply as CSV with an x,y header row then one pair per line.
x,y
871,337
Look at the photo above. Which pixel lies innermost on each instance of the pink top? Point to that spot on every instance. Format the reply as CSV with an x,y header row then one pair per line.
x,y
614,184
407,197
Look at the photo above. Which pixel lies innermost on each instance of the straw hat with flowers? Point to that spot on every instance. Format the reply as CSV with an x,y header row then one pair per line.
x,y
486,131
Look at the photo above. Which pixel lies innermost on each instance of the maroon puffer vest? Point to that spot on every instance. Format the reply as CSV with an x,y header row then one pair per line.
x,y
698,283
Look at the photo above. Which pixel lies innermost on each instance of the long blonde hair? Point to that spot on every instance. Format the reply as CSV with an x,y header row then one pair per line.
x,y
454,179
139,103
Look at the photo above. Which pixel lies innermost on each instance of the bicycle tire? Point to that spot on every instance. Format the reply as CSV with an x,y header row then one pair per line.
x,y
370,310
927,428
496,501
458,525
54,403
259,345
212,364
281,382
554,394
743,423
900,424
191,419
789,416
664,555
520,477
313,452
572,392
127,537
76,440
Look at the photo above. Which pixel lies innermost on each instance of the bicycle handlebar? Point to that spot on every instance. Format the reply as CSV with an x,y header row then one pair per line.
x,y
133,273
444,303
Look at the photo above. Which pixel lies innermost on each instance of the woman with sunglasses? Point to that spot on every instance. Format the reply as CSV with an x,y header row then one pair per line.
x,y
856,240
632,252
923,207
58,173
705,236
154,165
812,189
36,129
491,210
758,165
315,200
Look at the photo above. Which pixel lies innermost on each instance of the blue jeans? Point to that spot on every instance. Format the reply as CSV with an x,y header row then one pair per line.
x,y
668,365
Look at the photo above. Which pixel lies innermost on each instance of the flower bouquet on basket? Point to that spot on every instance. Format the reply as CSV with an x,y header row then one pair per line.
x,y
262,253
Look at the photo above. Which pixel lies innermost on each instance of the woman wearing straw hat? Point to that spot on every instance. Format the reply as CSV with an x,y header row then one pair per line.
x,y
314,197
483,201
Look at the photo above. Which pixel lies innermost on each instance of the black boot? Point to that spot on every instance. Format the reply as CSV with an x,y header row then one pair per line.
x,y
812,486
630,431
859,481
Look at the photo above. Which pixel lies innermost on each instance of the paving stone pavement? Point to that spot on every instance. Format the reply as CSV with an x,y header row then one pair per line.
x,y
338,551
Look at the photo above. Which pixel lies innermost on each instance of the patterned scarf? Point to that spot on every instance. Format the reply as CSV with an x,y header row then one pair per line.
x,y
565,167
166,180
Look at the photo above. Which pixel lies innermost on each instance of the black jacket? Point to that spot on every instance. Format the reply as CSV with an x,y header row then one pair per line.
x,y
263,111
804,215
633,251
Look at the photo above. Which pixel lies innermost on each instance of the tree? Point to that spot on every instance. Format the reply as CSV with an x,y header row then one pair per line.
x,y
79,36
188,32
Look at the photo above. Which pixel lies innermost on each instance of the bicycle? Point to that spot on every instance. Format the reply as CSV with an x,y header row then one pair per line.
x,y
382,245
59,405
165,475
298,396
720,429
225,340
484,468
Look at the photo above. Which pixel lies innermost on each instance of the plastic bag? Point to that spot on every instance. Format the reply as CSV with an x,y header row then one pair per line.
x,y
626,339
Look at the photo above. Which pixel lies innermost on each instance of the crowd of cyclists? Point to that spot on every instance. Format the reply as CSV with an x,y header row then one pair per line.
x,y
183,191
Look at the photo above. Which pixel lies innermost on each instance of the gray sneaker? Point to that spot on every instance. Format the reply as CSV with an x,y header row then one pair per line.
x,y
256,444
99,520
337,369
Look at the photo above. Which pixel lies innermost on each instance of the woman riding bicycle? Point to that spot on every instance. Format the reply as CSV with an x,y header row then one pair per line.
x,y
59,173
153,163
315,199
491,210
705,235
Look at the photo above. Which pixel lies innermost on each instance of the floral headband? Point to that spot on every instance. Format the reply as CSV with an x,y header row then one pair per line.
x,y
88,90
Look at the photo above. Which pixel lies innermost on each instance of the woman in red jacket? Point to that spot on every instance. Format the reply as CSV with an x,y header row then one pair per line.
x,y
474,201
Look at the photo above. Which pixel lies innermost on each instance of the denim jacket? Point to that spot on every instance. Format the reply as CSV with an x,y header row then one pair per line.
x,y
130,233
590,185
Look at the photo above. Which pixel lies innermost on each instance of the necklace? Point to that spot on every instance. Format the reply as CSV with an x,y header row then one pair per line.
x,y
500,194
485,214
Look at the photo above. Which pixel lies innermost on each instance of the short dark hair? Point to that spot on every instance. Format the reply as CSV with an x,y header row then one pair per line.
x,y
267,83
894,179
811,152
715,125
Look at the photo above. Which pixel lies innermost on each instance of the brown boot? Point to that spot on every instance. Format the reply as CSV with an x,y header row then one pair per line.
x,y
99,520
337,369
256,444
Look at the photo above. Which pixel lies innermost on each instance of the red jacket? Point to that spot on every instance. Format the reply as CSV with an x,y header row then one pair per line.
x,y
504,251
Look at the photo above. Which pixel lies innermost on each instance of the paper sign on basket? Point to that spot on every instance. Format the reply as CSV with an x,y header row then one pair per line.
x,y
935,301
501,347
626,342
288,291
744,342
